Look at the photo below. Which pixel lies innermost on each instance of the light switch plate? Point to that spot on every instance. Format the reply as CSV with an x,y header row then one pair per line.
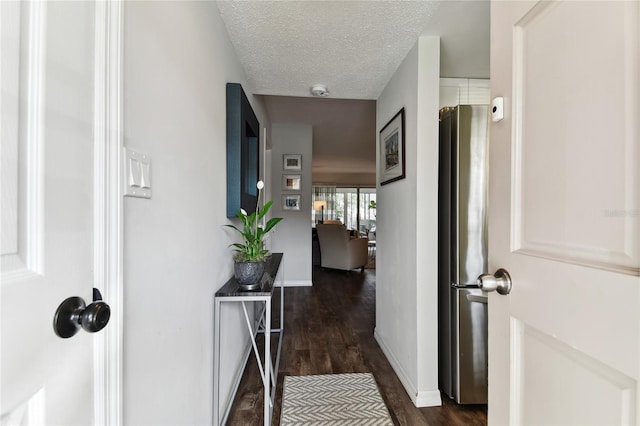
x,y
137,169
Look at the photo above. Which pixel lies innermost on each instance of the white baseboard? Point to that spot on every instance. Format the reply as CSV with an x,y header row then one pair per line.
x,y
428,399
420,399
296,283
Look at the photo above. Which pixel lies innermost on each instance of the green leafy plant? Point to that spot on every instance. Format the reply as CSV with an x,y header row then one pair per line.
x,y
252,249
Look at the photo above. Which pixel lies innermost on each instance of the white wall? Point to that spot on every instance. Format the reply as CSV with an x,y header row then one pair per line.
x,y
177,61
293,235
406,276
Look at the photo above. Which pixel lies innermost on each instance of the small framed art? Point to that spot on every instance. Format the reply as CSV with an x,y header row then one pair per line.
x,y
391,163
292,162
291,202
291,182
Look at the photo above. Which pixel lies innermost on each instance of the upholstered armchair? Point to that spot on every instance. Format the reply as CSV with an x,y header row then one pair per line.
x,y
338,250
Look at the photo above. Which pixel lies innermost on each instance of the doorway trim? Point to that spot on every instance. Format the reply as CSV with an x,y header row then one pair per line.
x,y
108,208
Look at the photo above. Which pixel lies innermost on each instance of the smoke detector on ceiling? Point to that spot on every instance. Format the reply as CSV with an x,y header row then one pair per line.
x,y
319,90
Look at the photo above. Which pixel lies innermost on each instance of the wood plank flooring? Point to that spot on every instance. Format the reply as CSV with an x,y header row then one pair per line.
x,y
329,329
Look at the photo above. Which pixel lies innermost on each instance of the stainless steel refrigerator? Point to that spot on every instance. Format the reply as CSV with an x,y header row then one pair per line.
x,y
462,252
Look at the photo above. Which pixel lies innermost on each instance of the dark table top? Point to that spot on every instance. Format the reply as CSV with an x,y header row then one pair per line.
x,y
232,287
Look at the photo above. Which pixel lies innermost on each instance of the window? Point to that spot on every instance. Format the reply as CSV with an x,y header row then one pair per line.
x,y
352,206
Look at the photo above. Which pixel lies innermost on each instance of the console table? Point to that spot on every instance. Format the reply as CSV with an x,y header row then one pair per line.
x,y
231,292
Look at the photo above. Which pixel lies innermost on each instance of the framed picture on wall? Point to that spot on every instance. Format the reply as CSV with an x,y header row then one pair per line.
x,y
291,182
292,162
391,163
291,202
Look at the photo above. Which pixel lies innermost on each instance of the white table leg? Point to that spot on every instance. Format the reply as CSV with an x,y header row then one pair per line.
x,y
267,364
216,363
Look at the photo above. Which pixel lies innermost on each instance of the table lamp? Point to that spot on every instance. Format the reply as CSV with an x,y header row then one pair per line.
x,y
320,205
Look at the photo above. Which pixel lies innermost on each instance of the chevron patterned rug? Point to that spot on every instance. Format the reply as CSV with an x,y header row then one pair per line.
x,y
333,399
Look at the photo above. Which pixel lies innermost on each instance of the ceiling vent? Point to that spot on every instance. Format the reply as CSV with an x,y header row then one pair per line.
x,y
319,90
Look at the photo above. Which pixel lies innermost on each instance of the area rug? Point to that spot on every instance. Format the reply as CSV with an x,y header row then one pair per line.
x,y
333,399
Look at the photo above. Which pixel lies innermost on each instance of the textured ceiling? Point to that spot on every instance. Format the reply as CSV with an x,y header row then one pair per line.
x,y
353,47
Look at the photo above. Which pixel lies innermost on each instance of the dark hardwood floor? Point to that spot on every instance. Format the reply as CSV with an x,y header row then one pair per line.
x,y
329,329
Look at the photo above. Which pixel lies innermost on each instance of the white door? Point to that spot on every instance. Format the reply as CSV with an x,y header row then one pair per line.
x,y
564,213
47,119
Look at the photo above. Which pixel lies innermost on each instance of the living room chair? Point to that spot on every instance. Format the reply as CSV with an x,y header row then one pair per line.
x,y
338,250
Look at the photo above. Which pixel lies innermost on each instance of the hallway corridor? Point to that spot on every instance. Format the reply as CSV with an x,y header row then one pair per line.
x,y
329,329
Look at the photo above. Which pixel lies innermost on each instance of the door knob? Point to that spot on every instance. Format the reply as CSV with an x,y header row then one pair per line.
x,y
73,314
500,281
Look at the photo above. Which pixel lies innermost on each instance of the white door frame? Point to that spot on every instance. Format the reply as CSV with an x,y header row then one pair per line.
x,y
108,224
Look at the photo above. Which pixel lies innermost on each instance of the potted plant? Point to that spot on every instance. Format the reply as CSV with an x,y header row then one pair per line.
x,y
250,255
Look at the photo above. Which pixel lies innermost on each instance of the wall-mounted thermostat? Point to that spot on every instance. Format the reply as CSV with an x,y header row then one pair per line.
x,y
497,109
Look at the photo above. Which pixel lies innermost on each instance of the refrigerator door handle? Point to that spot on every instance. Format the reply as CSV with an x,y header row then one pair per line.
x,y
464,286
477,299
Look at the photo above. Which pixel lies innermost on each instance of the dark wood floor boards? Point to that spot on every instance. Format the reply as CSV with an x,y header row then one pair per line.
x,y
329,329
